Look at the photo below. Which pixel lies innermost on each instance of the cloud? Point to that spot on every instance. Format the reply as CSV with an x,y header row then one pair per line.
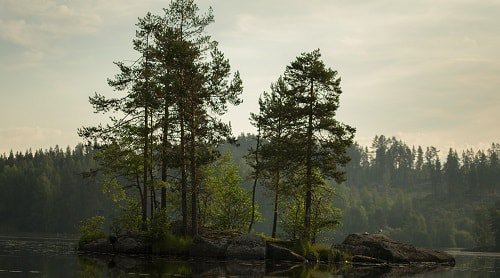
x,y
30,23
39,27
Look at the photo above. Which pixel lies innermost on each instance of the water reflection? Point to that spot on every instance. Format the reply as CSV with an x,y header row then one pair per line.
x,y
46,257
109,265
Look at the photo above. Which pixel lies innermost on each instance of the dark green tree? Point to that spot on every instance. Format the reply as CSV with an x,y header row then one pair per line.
x,y
494,217
127,137
452,172
314,92
174,95
274,125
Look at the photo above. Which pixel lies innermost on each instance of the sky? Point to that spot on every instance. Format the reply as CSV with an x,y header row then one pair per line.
x,y
427,71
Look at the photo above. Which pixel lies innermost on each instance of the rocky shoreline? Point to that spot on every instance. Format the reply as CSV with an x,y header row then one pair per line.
x,y
377,249
361,249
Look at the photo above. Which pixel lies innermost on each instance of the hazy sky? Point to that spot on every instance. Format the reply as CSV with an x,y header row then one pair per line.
x,y
426,71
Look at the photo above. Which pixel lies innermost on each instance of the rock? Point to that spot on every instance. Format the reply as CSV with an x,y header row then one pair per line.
x,y
277,253
101,245
131,245
381,247
247,247
366,260
209,247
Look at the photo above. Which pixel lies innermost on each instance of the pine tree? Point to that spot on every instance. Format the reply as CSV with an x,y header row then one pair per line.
x,y
452,172
205,90
174,95
274,125
128,137
315,91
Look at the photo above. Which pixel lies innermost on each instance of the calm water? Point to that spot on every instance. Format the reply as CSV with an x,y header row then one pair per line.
x,y
56,257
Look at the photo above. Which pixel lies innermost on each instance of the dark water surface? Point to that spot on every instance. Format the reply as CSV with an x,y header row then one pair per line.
x,y
56,257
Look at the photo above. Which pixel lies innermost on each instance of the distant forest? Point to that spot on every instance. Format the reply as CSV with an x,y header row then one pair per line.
x,y
45,192
411,193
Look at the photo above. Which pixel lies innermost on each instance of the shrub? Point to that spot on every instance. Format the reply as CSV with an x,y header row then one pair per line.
x,y
158,225
128,220
324,252
172,245
162,238
91,229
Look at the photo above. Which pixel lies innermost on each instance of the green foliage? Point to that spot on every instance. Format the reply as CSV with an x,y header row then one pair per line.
x,y
327,253
167,115
464,239
494,219
158,225
128,219
43,191
482,232
224,203
172,245
91,229
322,251
113,190
298,125
160,235
325,217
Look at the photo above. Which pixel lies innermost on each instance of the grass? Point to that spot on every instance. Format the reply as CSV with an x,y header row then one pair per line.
x,y
171,244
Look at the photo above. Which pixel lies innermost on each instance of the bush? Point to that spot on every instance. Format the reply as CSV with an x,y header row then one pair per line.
x,y
91,229
224,204
158,225
324,252
129,219
162,238
172,245
339,256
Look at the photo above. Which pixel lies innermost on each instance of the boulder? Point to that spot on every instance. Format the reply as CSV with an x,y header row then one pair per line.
x,y
101,245
212,247
131,245
278,253
247,247
381,247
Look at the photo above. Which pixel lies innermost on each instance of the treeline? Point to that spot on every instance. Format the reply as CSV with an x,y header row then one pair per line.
x,y
391,162
158,157
44,191
414,194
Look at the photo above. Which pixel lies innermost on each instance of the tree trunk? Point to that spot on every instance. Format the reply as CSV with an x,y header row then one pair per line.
x,y
163,198
145,173
275,213
183,176
183,146
146,148
252,219
194,189
307,207
151,175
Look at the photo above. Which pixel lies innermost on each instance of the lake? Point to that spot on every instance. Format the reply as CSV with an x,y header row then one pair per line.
x,y
56,257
